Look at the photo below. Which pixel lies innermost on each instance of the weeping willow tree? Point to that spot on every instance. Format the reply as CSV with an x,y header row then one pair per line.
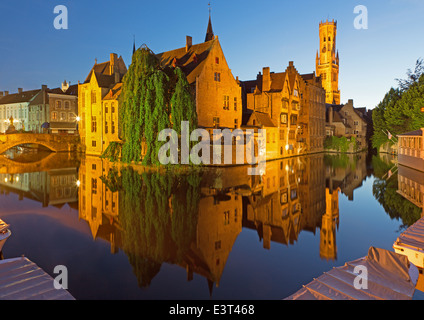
x,y
153,98
158,214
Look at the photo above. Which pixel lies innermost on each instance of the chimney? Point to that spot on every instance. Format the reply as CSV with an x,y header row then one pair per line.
x,y
117,77
6,93
43,87
189,43
113,62
1,94
330,116
20,90
266,79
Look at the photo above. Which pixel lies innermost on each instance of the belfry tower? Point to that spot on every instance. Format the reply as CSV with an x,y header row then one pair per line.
x,y
327,61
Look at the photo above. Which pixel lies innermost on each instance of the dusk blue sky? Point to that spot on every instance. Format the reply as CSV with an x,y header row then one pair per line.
x,y
253,34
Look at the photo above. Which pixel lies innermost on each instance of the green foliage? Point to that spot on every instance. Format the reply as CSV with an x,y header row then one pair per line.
x,y
400,110
151,97
340,144
385,191
158,215
342,160
113,151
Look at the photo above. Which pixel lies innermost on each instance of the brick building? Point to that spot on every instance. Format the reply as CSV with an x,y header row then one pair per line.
x,y
217,93
98,105
294,104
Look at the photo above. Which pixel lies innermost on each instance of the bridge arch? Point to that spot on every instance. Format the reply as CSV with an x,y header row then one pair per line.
x,y
55,143
17,143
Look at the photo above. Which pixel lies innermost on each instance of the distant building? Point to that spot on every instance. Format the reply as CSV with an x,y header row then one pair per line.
x,y
15,106
54,110
64,109
327,61
312,114
348,121
98,105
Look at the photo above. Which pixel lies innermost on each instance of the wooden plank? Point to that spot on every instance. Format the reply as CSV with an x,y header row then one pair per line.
x,y
22,279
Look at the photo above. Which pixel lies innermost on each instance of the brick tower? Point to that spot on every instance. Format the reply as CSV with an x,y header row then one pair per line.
x,y
327,61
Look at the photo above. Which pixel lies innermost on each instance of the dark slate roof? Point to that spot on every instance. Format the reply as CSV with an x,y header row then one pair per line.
x,y
42,95
40,98
114,92
103,75
191,62
25,96
72,90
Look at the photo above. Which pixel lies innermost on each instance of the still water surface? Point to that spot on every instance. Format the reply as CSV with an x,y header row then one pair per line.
x,y
217,234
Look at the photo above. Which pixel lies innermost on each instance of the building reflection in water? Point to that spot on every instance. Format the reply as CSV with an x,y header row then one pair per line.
x,y
411,186
193,219
55,186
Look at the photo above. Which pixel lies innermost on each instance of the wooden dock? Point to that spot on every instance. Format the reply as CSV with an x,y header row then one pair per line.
x,y
22,279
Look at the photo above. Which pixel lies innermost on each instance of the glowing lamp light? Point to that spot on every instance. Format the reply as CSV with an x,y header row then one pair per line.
x,y
78,183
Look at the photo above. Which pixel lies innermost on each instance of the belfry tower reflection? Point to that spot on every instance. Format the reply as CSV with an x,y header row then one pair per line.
x,y
330,220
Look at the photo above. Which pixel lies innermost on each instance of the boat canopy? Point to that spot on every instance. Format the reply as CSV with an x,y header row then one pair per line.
x,y
389,276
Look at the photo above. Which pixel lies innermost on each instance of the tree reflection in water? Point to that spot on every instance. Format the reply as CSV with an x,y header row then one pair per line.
x,y
385,191
158,216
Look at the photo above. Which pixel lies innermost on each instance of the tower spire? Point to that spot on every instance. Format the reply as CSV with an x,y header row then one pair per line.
x,y
134,45
209,32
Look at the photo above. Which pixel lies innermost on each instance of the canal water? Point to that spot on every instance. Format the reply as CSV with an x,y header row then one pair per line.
x,y
204,233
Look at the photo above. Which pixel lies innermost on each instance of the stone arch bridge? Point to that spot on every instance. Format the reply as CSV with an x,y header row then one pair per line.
x,y
56,143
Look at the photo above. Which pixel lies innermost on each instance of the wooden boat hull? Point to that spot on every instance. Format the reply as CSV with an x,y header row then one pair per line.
x,y
3,238
415,255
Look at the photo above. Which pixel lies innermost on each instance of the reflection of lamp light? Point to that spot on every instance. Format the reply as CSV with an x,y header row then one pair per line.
x,y
78,119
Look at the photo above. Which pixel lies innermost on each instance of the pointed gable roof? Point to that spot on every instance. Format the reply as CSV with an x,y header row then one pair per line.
x,y
102,72
190,61
263,120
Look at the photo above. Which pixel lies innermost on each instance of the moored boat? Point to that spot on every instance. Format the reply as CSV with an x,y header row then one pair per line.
x,y
411,243
5,233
